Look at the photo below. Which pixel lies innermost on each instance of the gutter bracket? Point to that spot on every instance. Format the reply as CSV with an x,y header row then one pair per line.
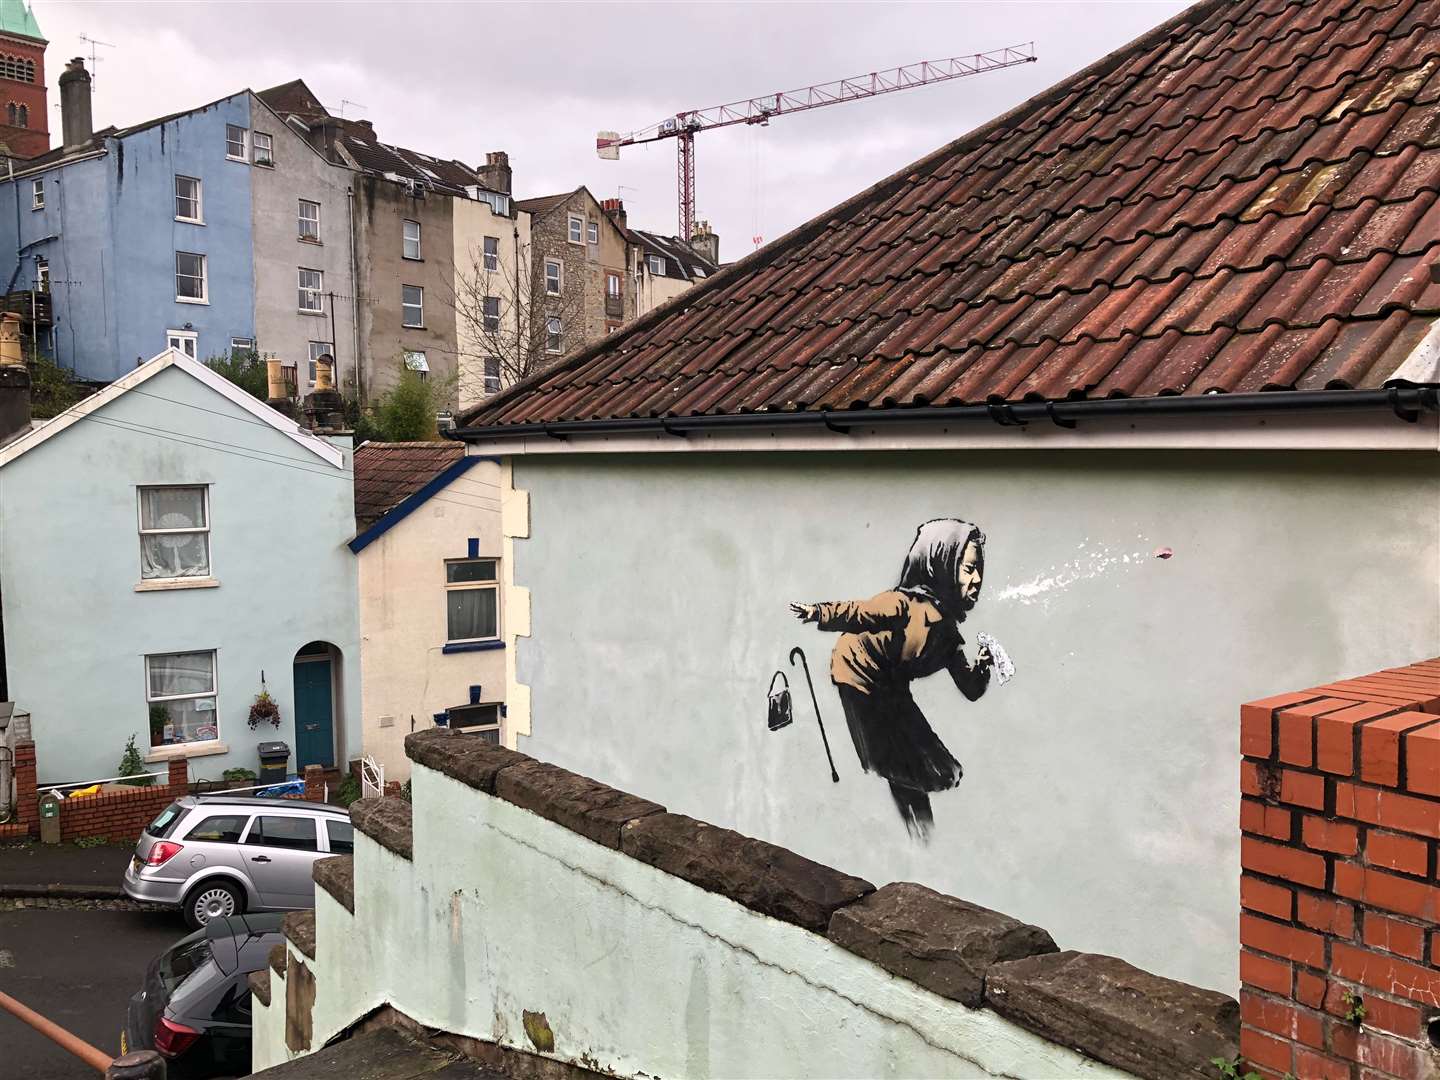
x,y
1003,414
665,427
1410,416
1056,418
555,434
839,429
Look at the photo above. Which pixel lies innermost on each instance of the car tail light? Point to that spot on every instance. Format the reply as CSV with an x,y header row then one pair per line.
x,y
172,1039
161,852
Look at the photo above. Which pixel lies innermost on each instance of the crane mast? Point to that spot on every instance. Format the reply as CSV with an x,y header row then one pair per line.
x,y
683,126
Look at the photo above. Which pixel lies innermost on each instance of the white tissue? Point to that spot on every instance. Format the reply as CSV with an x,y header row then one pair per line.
x,y
1004,667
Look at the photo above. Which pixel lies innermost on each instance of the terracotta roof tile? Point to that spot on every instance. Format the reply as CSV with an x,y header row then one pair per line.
x,y
1248,201
388,473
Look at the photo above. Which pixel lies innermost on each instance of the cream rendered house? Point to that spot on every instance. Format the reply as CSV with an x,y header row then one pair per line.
x,y
428,548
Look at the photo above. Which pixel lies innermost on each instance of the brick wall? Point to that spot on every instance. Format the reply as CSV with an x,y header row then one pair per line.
x,y
123,815
1340,813
27,814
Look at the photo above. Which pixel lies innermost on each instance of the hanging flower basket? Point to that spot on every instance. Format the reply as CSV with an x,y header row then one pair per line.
x,y
264,711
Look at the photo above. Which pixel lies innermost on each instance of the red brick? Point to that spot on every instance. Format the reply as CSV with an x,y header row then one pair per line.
x,y
1390,1055
1396,852
1392,1016
1271,821
1260,895
1401,895
1406,939
1332,836
1313,1066
1296,726
1380,746
1279,940
1263,857
1328,916
1390,809
1265,973
1280,1018
1255,721
1306,789
1309,989
1335,735
1422,761
1261,1049
1250,783
1385,973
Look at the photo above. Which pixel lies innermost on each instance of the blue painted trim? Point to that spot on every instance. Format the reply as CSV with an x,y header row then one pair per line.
x,y
407,506
472,548
472,646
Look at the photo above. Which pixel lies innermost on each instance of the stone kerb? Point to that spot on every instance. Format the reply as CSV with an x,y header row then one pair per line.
x,y
1340,814
1100,1006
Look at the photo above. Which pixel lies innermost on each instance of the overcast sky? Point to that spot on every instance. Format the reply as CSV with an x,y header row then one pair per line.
x,y
456,79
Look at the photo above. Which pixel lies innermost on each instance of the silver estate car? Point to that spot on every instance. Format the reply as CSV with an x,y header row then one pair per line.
x,y
215,856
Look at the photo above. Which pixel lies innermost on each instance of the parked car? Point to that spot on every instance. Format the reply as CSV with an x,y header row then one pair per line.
x,y
194,1006
216,856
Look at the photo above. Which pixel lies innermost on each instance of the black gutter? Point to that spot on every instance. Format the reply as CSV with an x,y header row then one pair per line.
x,y
1405,399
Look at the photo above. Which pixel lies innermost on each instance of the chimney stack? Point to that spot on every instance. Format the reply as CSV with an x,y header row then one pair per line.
x,y
495,173
615,211
705,242
14,381
75,122
325,408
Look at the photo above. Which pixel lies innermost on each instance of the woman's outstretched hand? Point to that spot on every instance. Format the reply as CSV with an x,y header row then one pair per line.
x,y
805,612
983,659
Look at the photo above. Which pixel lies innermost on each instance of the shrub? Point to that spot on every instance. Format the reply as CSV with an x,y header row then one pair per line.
x,y
244,368
132,764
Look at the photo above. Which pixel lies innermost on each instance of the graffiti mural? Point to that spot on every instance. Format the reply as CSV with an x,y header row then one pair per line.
x,y
907,633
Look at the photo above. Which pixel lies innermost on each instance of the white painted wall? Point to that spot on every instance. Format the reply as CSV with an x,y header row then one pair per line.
x,y
404,670
1100,797
636,971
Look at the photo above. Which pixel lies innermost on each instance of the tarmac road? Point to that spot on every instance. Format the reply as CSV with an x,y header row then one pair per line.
x,y
77,967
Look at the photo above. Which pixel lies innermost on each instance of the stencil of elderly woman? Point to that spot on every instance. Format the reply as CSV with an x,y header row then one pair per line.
x,y
901,635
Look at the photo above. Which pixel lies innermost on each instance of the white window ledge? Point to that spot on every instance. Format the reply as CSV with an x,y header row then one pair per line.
x,y
162,584
186,750
191,300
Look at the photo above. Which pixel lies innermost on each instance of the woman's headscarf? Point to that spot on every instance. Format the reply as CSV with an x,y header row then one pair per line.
x,y
932,568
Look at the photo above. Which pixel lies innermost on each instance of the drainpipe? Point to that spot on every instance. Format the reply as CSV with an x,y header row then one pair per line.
x,y
354,298
515,237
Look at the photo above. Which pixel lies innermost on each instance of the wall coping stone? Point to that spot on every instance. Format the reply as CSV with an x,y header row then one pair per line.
x,y
387,821
1154,1027
462,757
260,984
582,805
277,958
942,943
336,875
299,928
763,877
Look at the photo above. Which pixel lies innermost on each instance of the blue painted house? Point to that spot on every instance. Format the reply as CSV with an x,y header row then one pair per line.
x,y
140,590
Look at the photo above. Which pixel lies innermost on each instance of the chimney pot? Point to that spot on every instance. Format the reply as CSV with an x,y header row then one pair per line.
x,y
75,121
14,381
705,242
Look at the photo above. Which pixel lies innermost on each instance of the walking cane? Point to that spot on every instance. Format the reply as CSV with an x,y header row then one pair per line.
x,y
797,651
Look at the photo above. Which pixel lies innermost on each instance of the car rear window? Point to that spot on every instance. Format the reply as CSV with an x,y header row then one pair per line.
x,y
284,832
342,837
219,828
161,826
180,963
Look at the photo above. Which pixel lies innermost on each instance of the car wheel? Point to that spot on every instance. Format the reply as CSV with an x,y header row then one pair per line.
x,y
212,900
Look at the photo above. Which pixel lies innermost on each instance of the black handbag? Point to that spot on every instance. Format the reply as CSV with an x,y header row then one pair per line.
x,y
781,714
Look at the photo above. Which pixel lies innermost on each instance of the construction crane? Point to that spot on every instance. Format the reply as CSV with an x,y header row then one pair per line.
x,y
683,126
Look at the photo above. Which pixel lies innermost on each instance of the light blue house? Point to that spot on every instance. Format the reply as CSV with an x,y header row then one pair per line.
x,y
171,548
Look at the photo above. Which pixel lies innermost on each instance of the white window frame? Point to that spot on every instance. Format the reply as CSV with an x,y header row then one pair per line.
x,y
42,274
302,221
213,695
244,154
556,329
140,526
655,264
576,234
326,347
204,297
491,258
242,344
490,321
406,239
490,383
176,339
306,293
267,161
418,362
466,586
558,278
198,218
420,325
614,285
592,232
37,194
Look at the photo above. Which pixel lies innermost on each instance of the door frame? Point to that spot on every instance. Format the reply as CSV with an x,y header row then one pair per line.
x,y
316,658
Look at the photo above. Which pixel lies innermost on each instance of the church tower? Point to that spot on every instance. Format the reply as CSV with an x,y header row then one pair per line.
x,y
24,116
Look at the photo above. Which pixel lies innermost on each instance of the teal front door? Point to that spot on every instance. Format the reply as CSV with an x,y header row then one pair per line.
x,y
314,715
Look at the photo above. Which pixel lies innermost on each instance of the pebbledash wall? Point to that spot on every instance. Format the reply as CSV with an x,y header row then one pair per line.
x,y
1098,797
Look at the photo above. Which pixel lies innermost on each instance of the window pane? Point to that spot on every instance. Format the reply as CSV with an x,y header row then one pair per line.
x,y
172,508
297,833
457,573
412,239
187,197
342,837
189,275
183,720
593,231
174,555
181,673
234,141
471,613
492,253
262,149
221,829
309,220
